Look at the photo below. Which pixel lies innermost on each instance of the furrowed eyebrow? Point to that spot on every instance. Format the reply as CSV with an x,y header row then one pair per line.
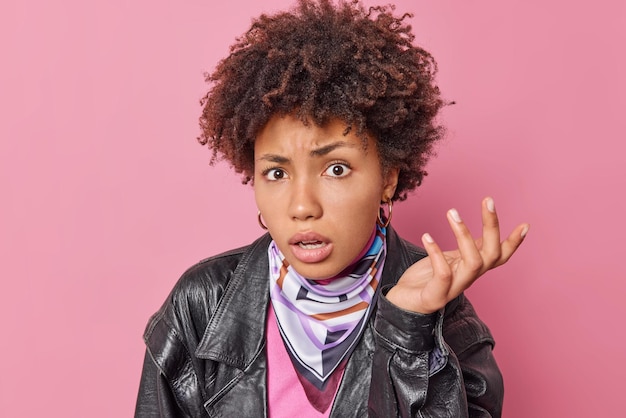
x,y
274,158
319,152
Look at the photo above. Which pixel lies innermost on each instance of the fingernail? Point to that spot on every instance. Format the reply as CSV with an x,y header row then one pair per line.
x,y
454,214
525,231
491,206
428,238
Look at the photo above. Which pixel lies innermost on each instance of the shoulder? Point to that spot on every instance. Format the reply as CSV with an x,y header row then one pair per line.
x,y
414,252
206,278
195,295
401,254
203,283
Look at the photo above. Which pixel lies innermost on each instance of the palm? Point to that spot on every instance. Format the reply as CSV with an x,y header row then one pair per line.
x,y
435,280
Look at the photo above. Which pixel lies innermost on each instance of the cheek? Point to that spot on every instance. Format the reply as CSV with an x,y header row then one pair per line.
x,y
262,193
272,202
359,208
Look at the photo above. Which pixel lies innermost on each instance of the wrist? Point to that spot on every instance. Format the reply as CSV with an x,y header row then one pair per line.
x,y
405,299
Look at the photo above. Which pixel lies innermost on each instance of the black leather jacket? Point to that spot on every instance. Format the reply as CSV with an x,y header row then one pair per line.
x,y
206,349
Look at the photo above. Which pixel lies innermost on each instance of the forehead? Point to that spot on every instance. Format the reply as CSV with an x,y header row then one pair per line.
x,y
289,133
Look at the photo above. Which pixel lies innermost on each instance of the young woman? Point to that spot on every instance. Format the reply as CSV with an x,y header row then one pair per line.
x,y
329,110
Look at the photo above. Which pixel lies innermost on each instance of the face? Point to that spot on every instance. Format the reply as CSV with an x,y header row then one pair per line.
x,y
319,192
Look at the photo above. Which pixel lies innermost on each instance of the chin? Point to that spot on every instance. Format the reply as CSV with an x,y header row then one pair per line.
x,y
313,272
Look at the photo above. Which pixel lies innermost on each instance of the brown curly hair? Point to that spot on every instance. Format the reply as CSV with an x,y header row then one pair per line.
x,y
321,61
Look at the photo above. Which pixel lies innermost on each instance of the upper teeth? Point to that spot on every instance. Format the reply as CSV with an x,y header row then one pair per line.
x,y
310,245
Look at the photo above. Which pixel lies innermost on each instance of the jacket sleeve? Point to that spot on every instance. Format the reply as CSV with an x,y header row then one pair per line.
x,y
437,365
170,383
472,343
155,398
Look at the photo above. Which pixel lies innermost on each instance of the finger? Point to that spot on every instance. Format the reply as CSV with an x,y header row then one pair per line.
x,y
471,259
435,293
490,248
512,243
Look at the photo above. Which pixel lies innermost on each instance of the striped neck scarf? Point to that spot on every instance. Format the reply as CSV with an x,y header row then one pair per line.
x,y
321,322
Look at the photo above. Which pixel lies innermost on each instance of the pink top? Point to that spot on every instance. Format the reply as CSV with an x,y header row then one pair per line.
x,y
286,396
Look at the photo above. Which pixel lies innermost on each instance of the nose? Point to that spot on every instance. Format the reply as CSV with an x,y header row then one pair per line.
x,y
304,201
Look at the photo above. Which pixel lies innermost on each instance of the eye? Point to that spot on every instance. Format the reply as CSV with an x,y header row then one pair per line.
x,y
338,170
274,174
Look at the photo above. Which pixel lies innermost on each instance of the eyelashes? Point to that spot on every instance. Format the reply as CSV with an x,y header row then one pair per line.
x,y
274,174
336,169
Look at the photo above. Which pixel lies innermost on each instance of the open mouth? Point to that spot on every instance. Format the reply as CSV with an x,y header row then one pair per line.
x,y
311,245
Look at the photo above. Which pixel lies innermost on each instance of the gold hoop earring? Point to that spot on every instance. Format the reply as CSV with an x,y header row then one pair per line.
x,y
379,220
261,224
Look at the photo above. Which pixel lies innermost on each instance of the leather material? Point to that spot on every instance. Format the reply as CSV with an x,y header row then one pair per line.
x,y
206,349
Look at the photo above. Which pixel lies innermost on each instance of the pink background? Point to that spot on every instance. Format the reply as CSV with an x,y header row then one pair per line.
x,y
106,197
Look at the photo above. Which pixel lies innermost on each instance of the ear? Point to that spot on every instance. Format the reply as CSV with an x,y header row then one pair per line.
x,y
390,182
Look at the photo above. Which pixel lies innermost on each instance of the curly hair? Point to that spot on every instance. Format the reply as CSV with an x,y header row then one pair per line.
x,y
321,61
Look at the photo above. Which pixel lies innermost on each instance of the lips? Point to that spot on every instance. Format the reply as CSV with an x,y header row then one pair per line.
x,y
310,247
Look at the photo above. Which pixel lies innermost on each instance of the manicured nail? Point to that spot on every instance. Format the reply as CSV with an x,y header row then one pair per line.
x,y
426,237
525,231
454,214
491,206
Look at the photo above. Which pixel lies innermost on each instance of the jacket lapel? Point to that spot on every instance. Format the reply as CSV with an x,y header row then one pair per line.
x,y
235,339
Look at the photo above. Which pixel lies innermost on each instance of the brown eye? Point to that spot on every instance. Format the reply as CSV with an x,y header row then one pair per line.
x,y
337,170
275,174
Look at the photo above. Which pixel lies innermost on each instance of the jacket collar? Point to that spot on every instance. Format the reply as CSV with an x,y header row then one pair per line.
x,y
235,332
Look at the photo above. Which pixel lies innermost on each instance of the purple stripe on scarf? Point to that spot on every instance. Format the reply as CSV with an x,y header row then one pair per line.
x,y
296,327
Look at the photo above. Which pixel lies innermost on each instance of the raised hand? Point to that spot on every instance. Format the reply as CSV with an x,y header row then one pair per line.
x,y
433,281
